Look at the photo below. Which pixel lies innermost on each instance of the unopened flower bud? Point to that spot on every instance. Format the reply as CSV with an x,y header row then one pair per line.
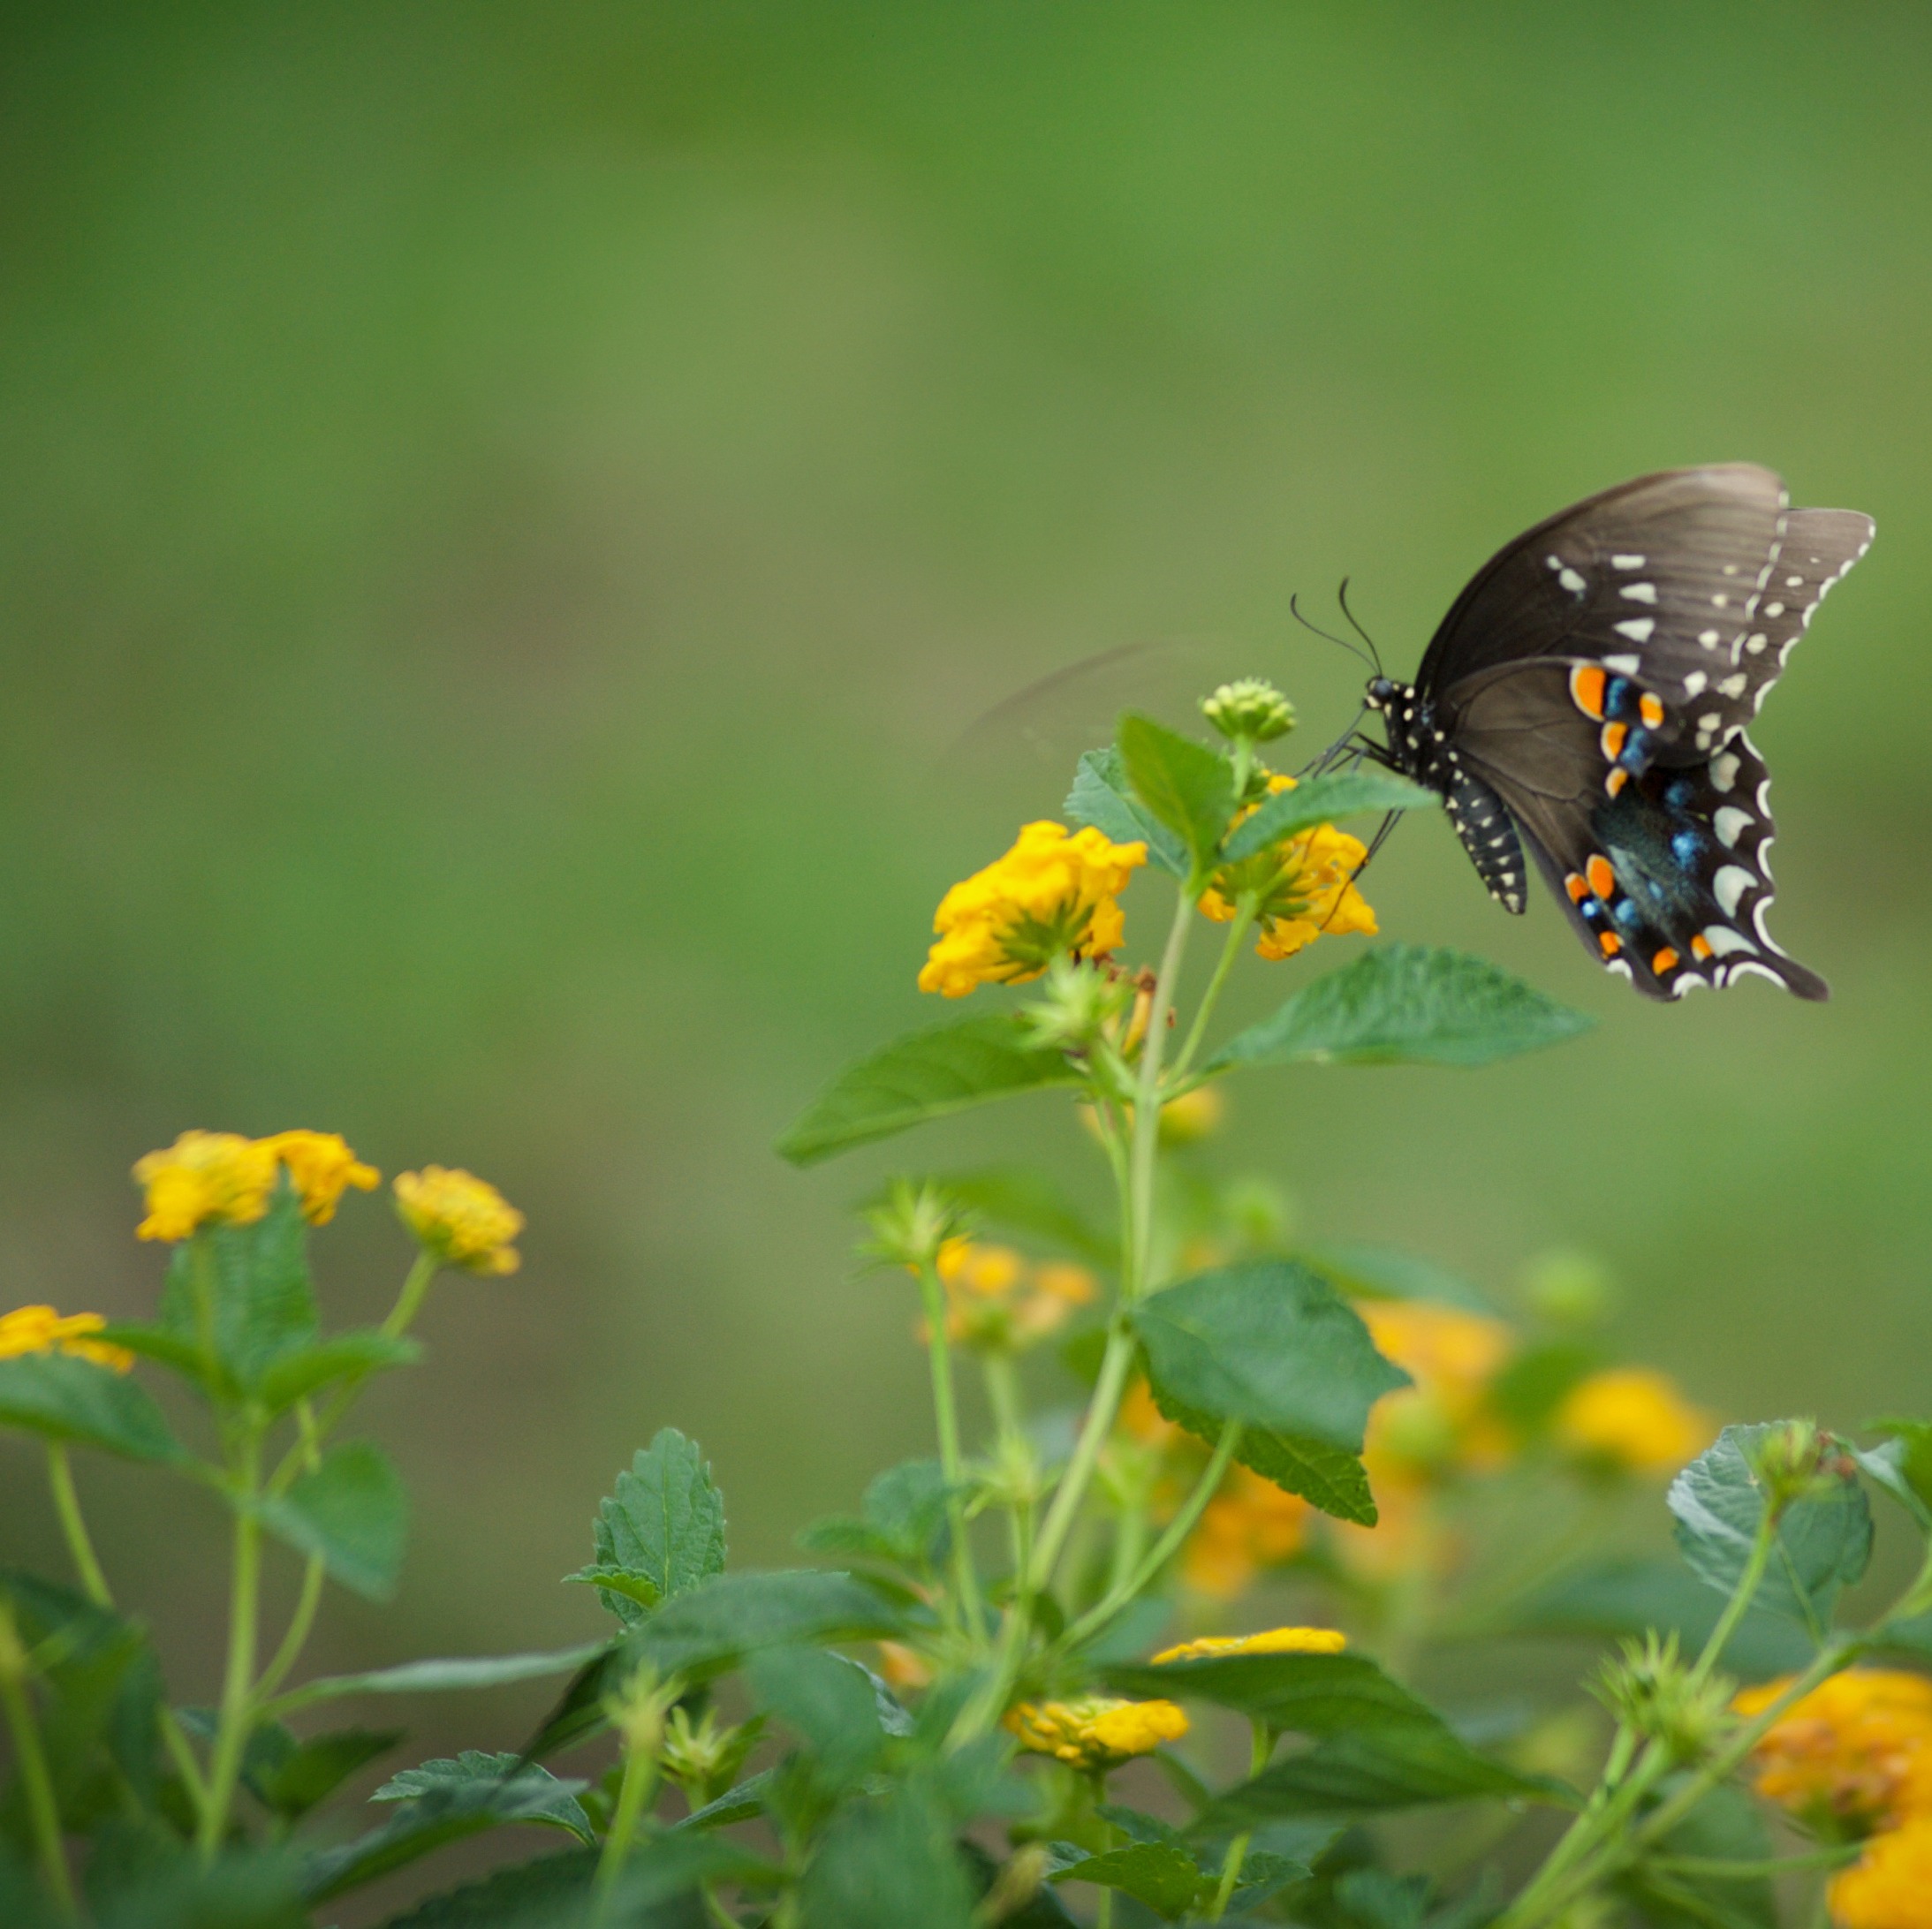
x,y
1652,1691
704,1760
1078,1001
1569,1288
912,1223
1249,707
1790,1462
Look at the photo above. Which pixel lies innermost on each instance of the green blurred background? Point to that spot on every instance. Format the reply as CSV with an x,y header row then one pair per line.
x,y
506,509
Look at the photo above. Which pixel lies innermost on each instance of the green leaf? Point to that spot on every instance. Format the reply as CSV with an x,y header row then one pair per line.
x,y
347,1357
353,1512
1537,1380
903,1517
1628,1597
1905,1459
1365,1271
290,1777
1726,1826
1188,787
262,1302
1330,1477
1028,1202
1268,1342
179,1351
62,1397
660,1533
1162,1875
1822,1542
709,1630
1316,1695
441,1677
1102,798
885,1863
925,1075
549,1892
1320,801
1368,1772
443,1802
739,1804
828,1701
1406,1004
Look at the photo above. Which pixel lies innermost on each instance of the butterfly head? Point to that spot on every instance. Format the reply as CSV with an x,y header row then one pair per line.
x,y
1383,691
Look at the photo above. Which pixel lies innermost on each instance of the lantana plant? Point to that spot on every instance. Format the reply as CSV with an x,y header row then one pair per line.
x,y
1142,1648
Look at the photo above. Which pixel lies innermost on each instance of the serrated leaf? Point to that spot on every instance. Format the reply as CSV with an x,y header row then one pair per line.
x,y
825,1699
1329,1478
1360,1773
1188,787
1267,1342
925,1075
1628,1597
661,1532
456,1674
345,1357
441,1803
353,1512
886,1862
262,1304
1161,1875
62,1397
1320,801
709,1630
1406,1004
1822,1543
1366,1271
1102,797
549,1891
1316,1695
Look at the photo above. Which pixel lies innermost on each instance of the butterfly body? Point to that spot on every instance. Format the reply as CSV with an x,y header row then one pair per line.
x,y
1587,697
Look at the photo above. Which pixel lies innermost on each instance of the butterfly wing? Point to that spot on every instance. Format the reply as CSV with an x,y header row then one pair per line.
x,y
1666,881
1695,583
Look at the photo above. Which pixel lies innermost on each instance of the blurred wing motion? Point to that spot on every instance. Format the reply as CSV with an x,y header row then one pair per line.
x,y
1588,693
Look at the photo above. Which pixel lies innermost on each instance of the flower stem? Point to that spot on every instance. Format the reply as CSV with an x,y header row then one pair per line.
x,y
1231,949
301,1622
60,1476
1260,1747
235,1717
44,1813
640,1779
966,1576
1146,1110
409,1301
1741,1596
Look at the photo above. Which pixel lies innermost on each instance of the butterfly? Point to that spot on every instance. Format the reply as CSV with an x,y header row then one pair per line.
x,y
1587,696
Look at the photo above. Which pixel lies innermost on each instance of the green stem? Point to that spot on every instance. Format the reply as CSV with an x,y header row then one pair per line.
x,y
640,1779
1260,1747
1717,1869
1114,1366
44,1813
1146,1109
60,1476
939,1353
1230,950
1016,1456
1741,1596
1164,1549
409,1301
301,1623
237,1704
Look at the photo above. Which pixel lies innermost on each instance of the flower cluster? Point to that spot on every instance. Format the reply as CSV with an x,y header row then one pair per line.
x,y
1302,887
224,1179
1094,1733
460,1220
999,1302
40,1330
1273,1641
1631,1419
1854,1756
1053,895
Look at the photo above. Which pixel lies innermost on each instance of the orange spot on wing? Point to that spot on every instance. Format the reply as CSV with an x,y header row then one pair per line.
x,y
1613,784
1612,739
1587,690
1700,948
1650,709
1602,879
1666,960
1577,889
1612,944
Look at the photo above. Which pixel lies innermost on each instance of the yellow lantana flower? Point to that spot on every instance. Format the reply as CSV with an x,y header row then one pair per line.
x,y
1890,1884
1306,887
1094,1732
1635,1418
205,1179
1855,1753
462,1220
1052,895
1275,1641
321,1167
40,1330
1443,1420
998,1301
1250,1523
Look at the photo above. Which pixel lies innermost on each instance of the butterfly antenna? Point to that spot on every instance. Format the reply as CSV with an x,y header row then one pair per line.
x,y
1368,856
1341,642
1341,596
1339,748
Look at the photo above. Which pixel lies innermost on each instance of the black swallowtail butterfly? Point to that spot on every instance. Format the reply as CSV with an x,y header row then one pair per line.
x,y
1588,695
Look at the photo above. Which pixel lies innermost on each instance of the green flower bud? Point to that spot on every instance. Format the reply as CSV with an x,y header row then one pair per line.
x,y
1569,1288
1792,1460
912,1223
1077,1002
1249,707
1651,1689
704,1760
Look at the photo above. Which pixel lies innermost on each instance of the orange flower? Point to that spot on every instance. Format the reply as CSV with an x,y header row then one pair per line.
x,y
1305,885
998,1302
1442,1421
1634,1419
321,1167
1251,1523
40,1330
1093,1732
1856,1751
1889,1885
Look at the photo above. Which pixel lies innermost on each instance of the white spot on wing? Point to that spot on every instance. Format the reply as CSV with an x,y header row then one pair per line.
x,y
1639,592
1774,609
1570,581
1731,824
1625,666
1638,629
1724,770
1724,942
1709,638
1730,885
1626,562
1694,684
1734,687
